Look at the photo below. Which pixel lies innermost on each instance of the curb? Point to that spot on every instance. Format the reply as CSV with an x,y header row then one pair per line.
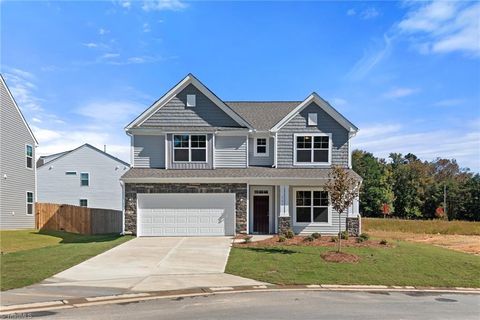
x,y
168,294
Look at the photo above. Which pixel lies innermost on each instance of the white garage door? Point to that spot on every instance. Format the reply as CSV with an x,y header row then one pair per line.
x,y
186,214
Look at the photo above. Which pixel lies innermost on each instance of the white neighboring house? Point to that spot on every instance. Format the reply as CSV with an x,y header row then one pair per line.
x,y
17,165
85,176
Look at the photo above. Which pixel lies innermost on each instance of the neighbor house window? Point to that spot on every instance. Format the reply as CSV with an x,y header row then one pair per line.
x,y
191,100
311,206
83,203
29,203
312,119
84,179
29,155
189,148
261,147
313,149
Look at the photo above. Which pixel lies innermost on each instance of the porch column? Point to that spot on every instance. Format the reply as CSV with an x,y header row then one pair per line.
x,y
284,219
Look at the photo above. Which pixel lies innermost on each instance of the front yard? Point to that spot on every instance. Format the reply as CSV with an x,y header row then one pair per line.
x,y
402,263
29,256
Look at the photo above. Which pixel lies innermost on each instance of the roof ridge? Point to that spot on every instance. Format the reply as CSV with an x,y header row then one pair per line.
x,y
262,101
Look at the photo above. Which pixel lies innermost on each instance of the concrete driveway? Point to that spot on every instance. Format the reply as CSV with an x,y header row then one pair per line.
x,y
141,264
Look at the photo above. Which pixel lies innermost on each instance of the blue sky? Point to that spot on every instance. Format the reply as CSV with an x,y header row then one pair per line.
x,y
406,73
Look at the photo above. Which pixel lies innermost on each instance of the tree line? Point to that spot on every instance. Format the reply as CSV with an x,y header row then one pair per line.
x,y
407,187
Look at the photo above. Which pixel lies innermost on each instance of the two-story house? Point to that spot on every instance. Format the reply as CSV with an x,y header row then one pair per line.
x,y
85,176
17,165
202,166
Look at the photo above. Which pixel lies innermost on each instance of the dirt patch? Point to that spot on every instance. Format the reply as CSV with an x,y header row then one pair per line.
x,y
320,242
340,257
462,243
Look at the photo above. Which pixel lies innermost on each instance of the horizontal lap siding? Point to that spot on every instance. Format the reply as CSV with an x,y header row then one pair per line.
x,y
260,161
176,113
149,151
230,152
326,124
14,135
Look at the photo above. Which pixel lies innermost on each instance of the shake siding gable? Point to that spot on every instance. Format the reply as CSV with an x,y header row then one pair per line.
x,y
299,124
15,178
176,113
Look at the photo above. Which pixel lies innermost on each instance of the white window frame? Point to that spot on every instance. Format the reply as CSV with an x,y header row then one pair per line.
x,y
81,185
313,135
311,118
27,156
191,101
312,223
267,147
32,203
80,202
189,147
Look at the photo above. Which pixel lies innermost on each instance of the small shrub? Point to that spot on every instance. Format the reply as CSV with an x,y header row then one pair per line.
x,y
289,234
344,235
309,238
364,236
334,239
359,240
383,242
282,239
248,239
316,235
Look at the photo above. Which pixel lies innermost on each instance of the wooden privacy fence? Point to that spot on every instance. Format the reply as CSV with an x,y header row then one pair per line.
x,y
64,217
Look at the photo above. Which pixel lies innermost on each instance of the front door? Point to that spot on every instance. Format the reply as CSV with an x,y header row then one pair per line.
x,y
261,206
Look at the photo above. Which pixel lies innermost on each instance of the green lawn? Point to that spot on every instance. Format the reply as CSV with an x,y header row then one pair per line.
x,y
31,256
421,226
405,264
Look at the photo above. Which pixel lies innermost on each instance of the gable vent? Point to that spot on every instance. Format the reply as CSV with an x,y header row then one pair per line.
x,y
191,100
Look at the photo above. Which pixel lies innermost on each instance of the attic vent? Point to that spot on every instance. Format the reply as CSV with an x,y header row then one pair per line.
x,y
312,119
191,100
71,173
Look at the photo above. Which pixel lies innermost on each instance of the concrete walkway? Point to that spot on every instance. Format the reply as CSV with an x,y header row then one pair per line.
x,y
139,265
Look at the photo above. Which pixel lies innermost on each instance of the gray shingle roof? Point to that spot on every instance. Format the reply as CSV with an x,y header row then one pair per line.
x,y
262,115
251,172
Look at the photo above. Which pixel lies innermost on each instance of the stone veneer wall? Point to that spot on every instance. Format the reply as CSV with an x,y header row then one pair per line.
x,y
284,224
132,189
353,226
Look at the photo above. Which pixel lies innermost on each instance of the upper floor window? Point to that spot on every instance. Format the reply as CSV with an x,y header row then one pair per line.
x,y
312,149
30,203
29,155
191,100
189,148
261,147
84,179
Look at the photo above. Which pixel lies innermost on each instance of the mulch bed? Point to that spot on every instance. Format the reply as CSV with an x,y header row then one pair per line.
x,y
340,257
325,241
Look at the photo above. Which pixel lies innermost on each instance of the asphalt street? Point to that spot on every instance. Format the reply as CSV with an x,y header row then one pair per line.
x,y
286,305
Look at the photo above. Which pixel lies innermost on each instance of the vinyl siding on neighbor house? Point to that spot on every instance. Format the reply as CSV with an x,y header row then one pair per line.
x,y
176,113
149,151
258,160
104,190
15,178
230,151
298,125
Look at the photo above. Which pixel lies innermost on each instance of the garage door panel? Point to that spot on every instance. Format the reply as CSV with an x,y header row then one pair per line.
x,y
186,214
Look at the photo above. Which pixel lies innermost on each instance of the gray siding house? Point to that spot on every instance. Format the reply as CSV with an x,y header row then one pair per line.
x,y
17,165
85,176
202,166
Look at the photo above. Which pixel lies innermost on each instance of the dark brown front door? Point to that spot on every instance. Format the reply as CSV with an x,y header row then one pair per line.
x,y
260,213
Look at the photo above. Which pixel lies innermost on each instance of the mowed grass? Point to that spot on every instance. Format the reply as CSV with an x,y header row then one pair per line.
x,y
404,264
421,226
41,255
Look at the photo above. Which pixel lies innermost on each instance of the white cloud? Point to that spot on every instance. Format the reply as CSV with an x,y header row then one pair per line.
x,y
90,45
110,55
146,27
125,4
400,92
159,5
441,27
381,140
111,112
449,102
371,59
103,31
351,12
339,102
23,89
369,13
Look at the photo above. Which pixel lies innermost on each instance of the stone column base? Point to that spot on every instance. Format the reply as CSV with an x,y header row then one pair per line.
x,y
353,226
284,224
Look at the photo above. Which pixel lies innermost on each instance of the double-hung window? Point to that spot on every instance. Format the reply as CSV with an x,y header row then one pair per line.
x,y
311,206
84,179
83,203
261,147
30,202
312,149
189,148
29,156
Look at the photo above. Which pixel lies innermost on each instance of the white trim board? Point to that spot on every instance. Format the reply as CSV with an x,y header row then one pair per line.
x,y
189,79
314,97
